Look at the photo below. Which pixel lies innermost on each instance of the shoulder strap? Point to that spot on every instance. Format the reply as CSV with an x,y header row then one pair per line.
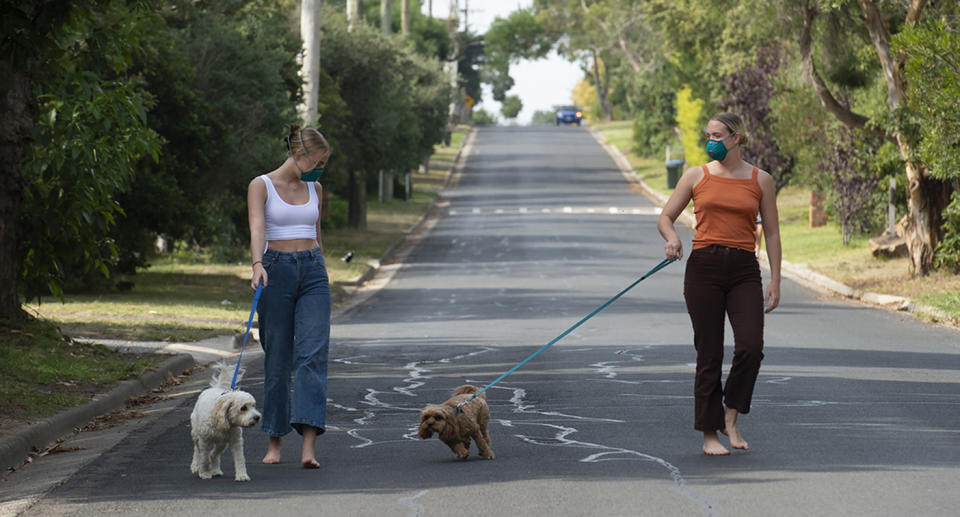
x,y
706,170
754,173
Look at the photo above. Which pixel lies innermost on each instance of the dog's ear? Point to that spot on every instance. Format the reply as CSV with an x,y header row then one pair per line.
x,y
221,413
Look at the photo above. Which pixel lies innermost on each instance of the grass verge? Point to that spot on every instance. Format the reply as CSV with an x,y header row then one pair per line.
x,y
42,373
821,249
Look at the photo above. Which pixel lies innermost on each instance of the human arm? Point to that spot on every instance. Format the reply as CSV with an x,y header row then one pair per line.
x,y
256,199
682,194
771,233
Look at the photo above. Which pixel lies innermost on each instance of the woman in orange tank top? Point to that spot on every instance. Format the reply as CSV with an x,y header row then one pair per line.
x,y
722,276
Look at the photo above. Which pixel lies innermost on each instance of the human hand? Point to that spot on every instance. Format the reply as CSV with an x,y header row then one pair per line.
x,y
772,300
259,276
673,249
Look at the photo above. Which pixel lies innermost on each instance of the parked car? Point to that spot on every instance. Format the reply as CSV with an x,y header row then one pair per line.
x,y
569,115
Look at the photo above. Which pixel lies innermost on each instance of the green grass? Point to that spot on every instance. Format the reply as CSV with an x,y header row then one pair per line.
x,y
41,374
821,249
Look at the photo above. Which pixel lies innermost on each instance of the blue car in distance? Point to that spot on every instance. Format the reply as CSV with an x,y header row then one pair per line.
x,y
569,115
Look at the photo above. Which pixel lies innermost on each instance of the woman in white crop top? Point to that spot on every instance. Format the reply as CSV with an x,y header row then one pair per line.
x,y
283,209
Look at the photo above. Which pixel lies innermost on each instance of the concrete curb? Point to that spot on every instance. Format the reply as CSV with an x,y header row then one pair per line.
x,y
16,448
796,272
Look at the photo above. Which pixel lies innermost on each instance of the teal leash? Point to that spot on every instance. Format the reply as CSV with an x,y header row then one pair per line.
x,y
253,310
656,268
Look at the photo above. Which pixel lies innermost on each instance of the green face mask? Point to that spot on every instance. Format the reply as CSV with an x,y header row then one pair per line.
x,y
716,149
313,175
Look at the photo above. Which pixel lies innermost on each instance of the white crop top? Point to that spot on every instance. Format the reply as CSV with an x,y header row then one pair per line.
x,y
283,221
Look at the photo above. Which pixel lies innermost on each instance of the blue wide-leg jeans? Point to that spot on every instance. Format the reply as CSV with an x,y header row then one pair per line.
x,y
294,324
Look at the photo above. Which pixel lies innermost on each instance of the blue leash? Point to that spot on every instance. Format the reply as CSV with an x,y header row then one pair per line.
x,y
253,310
656,268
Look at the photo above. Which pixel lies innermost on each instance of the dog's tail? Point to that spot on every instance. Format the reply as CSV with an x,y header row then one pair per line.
x,y
469,389
223,376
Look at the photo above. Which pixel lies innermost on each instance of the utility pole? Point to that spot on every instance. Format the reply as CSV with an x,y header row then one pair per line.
x,y
310,59
354,13
385,16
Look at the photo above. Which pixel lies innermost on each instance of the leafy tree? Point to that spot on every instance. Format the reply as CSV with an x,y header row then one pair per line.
x,y
750,93
226,81
77,125
391,106
690,124
853,182
482,117
519,36
543,117
511,107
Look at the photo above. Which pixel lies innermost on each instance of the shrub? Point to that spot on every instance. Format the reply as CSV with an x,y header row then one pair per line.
x,y
948,251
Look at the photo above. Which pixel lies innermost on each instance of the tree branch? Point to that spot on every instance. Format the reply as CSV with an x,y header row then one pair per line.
x,y
842,113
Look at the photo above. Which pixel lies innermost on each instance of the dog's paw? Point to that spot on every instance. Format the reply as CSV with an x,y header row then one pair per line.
x,y
205,475
242,477
217,472
488,455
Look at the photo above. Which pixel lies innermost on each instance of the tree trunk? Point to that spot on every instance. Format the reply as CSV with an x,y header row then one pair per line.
x,y
927,197
357,201
310,67
405,17
16,109
602,87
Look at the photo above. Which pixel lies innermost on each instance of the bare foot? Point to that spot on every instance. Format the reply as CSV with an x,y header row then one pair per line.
x,y
736,439
712,445
308,455
273,451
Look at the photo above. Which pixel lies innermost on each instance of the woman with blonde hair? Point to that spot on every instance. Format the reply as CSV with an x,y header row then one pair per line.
x,y
283,208
722,276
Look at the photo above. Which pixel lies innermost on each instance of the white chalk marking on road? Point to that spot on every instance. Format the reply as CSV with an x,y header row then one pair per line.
x,y
560,440
416,509
613,210
476,210
567,210
523,210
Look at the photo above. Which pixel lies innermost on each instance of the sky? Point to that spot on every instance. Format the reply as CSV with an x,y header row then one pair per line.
x,y
540,84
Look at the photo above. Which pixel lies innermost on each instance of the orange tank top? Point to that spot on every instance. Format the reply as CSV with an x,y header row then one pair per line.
x,y
726,211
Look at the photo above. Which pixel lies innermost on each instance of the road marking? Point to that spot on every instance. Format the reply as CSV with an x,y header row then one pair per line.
x,y
524,210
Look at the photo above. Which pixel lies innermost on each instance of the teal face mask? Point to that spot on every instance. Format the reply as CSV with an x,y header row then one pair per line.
x,y
313,175
716,149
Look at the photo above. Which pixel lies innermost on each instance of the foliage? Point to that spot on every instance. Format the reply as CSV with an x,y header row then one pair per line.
x,y
519,36
542,117
948,251
853,181
690,121
388,105
482,117
750,91
87,138
511,107
225,78
584,96
932,74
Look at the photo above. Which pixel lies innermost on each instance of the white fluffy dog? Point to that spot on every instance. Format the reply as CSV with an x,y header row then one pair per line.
x,y
218,420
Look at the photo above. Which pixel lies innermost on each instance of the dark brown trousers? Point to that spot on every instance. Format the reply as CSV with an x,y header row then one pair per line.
x,y
722,281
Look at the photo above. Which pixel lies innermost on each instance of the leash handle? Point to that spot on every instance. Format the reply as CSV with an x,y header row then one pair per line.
x,y
253,310
656,268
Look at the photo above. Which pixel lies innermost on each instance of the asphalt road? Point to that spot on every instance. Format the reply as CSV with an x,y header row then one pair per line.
x,y
856,411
